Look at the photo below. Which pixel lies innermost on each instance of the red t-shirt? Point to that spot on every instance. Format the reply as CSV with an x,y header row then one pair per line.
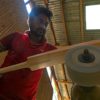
x,y
21,84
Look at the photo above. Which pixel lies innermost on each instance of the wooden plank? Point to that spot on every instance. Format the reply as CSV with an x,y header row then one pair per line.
x,y
44,60
81,21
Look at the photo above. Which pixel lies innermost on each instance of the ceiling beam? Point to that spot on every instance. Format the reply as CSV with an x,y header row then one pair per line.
x,y
81,21
64,23
51,24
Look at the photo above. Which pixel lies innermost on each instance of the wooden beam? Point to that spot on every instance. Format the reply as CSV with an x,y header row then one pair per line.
x,y
63,81
46,59
56,83
51,24
64,22
66,80
81,22
46,2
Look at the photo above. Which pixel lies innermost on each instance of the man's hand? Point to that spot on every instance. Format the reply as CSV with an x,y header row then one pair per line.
x,y
2,48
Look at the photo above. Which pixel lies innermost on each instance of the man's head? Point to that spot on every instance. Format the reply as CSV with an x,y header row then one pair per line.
x,y
38,21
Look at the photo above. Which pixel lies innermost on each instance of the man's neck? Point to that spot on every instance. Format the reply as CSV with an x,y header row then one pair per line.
x,y
35,39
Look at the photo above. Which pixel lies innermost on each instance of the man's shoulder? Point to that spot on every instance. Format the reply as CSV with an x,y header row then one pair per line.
x,y
18,34
14,34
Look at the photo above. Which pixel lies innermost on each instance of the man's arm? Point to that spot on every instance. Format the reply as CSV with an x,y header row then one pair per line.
x,y
5,43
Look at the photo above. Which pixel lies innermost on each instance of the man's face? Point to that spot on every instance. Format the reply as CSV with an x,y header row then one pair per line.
x,y
38,25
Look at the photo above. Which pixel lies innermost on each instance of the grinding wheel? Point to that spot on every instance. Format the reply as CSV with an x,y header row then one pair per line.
x,y
83,65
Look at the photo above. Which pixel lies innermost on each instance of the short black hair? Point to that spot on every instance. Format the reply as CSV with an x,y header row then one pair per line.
x,y
36,10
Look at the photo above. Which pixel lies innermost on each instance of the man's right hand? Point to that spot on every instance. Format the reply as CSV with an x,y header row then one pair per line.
x,y
2,48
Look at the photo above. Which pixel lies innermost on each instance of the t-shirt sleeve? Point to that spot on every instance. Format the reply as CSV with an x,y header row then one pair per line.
x,y
7,41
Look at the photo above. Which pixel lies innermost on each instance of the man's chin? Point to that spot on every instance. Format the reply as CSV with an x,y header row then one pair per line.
x,y
40,33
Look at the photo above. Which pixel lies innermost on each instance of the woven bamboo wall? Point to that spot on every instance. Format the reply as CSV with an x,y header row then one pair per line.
x,y
13,16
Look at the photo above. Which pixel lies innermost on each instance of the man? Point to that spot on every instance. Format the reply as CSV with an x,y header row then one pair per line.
x,y
23,84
